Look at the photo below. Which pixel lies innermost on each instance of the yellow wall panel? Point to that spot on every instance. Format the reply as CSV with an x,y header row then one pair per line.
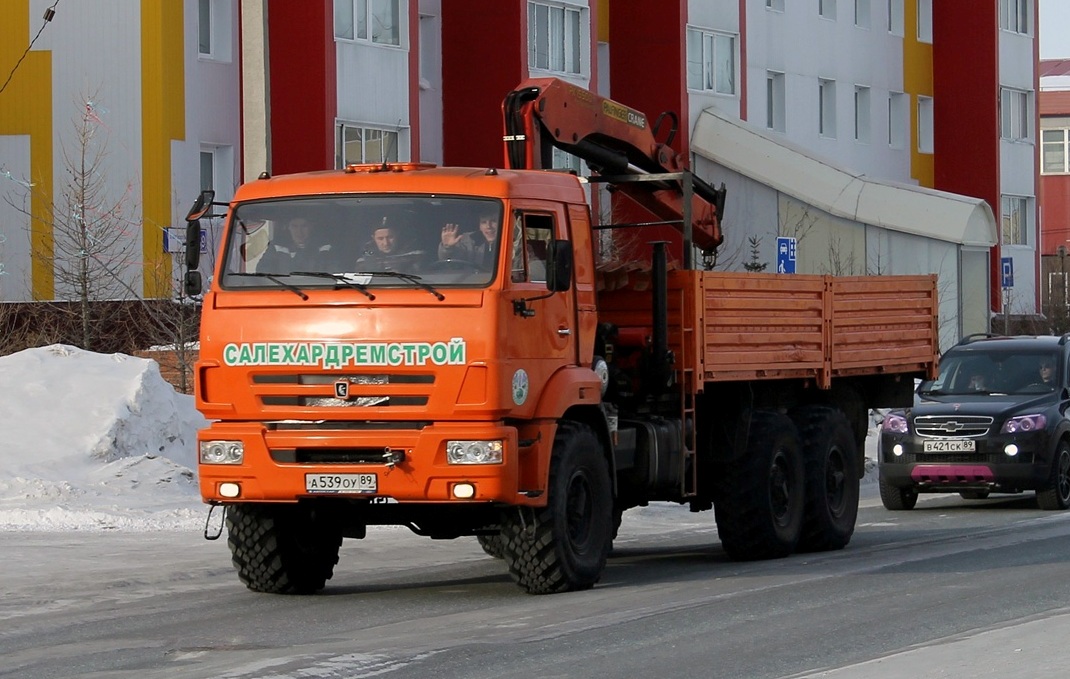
x,y
163,120
26,109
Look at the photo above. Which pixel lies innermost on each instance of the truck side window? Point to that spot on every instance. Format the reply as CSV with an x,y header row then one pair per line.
x,y
532,234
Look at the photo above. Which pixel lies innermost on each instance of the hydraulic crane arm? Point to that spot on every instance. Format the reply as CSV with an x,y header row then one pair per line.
x,y
615,141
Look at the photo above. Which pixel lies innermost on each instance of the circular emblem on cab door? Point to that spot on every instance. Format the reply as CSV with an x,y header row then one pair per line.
x,y
520,387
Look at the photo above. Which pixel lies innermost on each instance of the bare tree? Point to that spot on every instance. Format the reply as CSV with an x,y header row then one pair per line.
x,y
93,231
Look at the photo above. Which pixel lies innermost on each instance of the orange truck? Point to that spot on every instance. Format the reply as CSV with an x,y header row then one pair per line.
x,y
444,349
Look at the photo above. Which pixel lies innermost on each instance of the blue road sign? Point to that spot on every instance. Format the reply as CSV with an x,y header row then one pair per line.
x,y
1008,272
785,254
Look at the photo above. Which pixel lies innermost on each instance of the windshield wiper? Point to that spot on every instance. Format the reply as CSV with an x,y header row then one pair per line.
x,y
412,278
274,278
342,278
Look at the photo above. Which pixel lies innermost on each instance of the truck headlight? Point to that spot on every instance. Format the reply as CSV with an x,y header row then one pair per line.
x,y
222,452
474,452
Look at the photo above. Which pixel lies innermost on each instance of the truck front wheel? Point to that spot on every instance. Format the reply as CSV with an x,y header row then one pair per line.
x,y
282,549
563,546
759,497
831,461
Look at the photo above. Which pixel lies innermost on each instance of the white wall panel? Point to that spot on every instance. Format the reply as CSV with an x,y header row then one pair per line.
x,y
15,263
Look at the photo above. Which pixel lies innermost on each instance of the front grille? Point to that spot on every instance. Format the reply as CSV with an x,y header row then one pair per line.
x,y
377,455
952,426
320,390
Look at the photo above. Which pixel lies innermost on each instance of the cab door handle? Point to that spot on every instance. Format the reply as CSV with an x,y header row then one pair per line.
x,y
564,332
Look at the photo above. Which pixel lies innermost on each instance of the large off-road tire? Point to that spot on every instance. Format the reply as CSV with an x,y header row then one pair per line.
x,y
492,545
759,497
1056,492
896,498
282,549
563,546
830,458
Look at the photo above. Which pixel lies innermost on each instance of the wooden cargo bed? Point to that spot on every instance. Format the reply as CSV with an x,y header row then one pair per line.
x,y
747,326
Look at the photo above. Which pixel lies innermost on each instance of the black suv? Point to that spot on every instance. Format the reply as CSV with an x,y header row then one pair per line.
x,y
993,421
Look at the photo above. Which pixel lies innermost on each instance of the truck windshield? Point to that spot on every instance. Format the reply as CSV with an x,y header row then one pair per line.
x,y
365,240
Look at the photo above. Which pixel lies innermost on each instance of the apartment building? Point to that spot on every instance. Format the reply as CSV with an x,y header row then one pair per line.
x,y
939,96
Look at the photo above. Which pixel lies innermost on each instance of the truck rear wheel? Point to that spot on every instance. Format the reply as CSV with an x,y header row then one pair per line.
x,y
563,546
759,497
282,549
830,459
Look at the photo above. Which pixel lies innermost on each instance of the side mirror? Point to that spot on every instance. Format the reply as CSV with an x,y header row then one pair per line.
x,y
192,284
559,266
193,245
201,207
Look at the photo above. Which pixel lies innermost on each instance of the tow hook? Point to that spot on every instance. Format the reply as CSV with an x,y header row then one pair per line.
x,y
208,521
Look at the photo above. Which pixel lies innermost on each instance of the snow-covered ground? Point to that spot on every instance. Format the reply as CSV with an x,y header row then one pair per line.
x,y
102,442
94,442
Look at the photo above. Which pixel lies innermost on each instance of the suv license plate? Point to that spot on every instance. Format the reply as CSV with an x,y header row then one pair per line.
x,y
950,446
341,483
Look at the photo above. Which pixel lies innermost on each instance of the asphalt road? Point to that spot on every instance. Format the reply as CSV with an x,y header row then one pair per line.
x,y
953,588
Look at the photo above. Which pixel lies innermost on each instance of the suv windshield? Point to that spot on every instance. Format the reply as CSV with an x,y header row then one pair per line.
x,y
366,240
995,371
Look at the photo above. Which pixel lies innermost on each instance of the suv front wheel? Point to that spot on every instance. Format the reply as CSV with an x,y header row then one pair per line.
x,y
1056,492
895,498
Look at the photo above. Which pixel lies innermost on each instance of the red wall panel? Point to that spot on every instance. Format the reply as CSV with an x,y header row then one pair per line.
x,y
484,57
303,81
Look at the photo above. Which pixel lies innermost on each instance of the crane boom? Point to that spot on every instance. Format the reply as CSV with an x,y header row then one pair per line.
x,y
615,141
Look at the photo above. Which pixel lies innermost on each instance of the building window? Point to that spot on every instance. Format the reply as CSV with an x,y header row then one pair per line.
x,y
827,9
774,101
213,30
562,160
897,120
204,26
862,13
217,169
1014,111
375,21
862,113
1015,221
1055,145
775,5
925,21
925,124
555,38
826,107
358,144
711,61
207,170
1014,16
895,17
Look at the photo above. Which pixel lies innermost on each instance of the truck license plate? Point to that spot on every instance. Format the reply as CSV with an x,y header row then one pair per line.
x,y
341,483
950,446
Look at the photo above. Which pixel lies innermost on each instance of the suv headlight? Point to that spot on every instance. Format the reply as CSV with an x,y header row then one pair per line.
x,y
474,452
895,424
1024,423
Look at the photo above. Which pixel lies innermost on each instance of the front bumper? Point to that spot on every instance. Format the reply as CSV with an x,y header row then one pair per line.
x,y
990,467
277,459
